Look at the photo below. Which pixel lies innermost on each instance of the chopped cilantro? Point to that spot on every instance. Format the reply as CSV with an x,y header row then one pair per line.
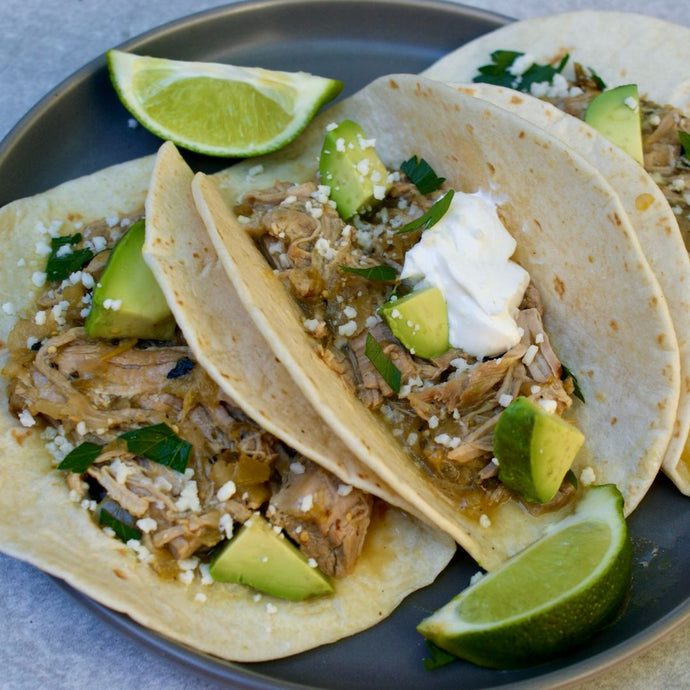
x,y
432,216
572,479
437,657
598,81
382,274
183,366
498,71
62,263
119,520
390,373
422,175
685,142
567,374
81,458
159,443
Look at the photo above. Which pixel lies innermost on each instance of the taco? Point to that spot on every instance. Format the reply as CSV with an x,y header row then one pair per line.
x,y
317,304
655,196
135,526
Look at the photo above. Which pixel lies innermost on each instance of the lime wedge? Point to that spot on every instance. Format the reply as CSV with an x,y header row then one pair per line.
x,y
548,598
218,109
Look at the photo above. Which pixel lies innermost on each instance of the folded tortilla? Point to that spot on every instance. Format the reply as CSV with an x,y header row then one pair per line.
x,y
42,526
604,311
652,53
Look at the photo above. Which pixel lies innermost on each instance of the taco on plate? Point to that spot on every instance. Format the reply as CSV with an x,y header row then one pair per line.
x,y
138,438
560,63
318,287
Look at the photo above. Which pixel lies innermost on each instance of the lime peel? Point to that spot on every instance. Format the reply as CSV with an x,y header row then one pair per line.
x,y
547,599
218,109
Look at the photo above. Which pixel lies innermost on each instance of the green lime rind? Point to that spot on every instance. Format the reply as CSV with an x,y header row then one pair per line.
x,y
170,99
548,599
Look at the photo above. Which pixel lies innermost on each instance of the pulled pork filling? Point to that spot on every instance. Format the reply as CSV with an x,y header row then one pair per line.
x,y
447,407
663,154
81,389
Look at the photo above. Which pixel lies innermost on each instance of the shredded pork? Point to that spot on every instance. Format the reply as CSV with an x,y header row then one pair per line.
x,y
82,389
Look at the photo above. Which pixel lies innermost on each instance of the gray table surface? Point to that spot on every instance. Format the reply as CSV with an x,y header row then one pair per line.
x,y
48,640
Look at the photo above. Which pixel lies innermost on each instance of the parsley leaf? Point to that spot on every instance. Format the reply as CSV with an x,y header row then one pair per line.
x,y
422,175
183,366
432,216
382,274
390,373
437,657
498,71
79,459
567,374
61,264
685,142
159,443
113,515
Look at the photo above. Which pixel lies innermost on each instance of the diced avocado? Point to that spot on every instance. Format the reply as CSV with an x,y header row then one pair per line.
x,y
615,113
534,449
127,301
259,557
350,166
419,321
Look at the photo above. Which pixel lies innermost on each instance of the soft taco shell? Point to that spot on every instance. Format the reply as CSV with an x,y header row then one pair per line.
x,y
658,64
604,311
40,525
656,228
652,52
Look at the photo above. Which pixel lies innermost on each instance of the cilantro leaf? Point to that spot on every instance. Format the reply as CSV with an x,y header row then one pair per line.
x,y
159,443
432,216
390,373
79,459
567,374
685,142
598,81
183,366
422,175
61,264
498,71
437,657
382,274
113,515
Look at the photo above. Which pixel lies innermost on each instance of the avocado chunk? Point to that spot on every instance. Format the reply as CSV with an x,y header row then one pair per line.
x,y
534,449
127,302
615,113
419,321
259,557
350,166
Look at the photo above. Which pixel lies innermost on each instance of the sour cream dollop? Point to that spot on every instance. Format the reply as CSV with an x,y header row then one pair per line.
x,y
466,255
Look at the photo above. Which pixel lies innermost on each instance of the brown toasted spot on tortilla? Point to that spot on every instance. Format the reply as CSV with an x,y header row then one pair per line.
x,y
662,404
590,373
516,100
661,338
119,573
20,435
393,84
614,324
590,259
643,201
654,300
614,421
559,286
492,170
521,135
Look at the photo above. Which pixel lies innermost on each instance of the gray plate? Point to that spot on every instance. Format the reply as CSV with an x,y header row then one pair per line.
x,y
81,127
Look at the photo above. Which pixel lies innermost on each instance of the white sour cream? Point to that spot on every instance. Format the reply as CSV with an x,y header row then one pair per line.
x,y
466,255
